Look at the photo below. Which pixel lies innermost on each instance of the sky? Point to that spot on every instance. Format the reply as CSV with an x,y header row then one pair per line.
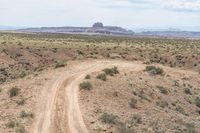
x,y
125,13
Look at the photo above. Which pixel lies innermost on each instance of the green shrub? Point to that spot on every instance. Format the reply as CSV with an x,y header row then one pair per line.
x,y
163,90
187,91
133,103
102,76
85,85
13,91
154,70
109,118
111,71
197,102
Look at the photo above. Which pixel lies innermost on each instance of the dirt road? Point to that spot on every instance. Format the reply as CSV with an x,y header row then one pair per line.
x,y
59,108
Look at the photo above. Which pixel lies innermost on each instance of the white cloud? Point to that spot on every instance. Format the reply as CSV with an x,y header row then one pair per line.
x,y
187,5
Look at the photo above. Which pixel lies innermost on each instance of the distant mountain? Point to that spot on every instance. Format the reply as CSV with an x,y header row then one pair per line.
x,y
97,28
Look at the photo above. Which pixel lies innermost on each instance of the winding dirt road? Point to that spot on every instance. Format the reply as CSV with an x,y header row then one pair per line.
x,y
59,108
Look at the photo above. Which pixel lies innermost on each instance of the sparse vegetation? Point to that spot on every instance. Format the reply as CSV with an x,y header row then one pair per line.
x,y
162,104
20,129
109,118
87,77
163,89
187,91
133,103
197,102
24,114
190,128
10,124
24,54
102,76
123,128
111,71
85,85
135,119
59,64
14,91
154,70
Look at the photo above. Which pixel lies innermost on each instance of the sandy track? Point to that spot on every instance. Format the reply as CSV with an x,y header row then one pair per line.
x,y
59,108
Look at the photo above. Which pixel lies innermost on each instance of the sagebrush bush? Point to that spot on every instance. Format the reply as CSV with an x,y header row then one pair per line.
x,y
111,71
109,118
85,85
13,91
154,70
102,76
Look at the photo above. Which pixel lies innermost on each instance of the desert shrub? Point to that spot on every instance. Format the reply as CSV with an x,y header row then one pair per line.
x,y
135,119
180,110
123,128
190,128
154,70
21,102
111,71
163,90
59,64
85,85
102,76
197,102
24,114
187,91
109,118
13,91
3,71
22,74
20,129
10,124
133,103
87,77
162,104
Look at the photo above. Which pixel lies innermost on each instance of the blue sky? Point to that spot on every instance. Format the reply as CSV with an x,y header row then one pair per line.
x,y
126,13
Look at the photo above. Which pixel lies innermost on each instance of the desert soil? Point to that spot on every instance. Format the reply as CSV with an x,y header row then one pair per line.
x,y
58,106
